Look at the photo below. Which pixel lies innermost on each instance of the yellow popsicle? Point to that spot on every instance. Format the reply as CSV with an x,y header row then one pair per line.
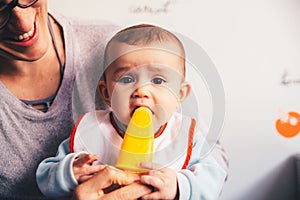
x,y
138,142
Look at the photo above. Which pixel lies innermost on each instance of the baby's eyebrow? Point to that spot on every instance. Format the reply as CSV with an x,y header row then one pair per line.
x,y
160,69
121,69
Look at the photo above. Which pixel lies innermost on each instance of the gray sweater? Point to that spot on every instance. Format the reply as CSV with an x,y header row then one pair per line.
x,y
27,136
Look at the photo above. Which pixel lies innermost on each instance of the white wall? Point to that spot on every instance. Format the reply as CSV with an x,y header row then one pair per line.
x,y
252,43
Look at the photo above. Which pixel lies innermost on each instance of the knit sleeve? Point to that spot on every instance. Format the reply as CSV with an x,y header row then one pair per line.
x,y
204,177
55,176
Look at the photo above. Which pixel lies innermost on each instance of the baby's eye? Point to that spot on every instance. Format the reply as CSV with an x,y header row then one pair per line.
x,y
158,81
126,79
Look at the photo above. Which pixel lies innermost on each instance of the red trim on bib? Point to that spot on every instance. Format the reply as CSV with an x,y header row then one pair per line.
x,y
161,130
190,144
73,134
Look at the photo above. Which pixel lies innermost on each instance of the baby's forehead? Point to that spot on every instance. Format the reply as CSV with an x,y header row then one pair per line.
x,y
151,68
117,49
117,52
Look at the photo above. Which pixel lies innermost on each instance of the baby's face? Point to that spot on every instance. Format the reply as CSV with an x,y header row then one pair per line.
x,y
151,78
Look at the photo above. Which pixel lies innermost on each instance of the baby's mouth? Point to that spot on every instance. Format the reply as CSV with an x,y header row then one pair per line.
x,y
131,114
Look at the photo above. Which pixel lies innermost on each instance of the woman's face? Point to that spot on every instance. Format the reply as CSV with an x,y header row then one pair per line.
x,y
26,35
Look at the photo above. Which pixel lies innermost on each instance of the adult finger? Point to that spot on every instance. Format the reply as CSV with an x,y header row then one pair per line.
x,y
93,188
110,175
120,177
153,195
132,191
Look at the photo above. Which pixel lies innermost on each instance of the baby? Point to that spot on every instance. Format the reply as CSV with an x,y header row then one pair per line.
x,y
145,67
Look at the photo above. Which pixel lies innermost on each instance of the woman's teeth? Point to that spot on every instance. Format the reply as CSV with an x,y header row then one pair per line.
x,y
24,36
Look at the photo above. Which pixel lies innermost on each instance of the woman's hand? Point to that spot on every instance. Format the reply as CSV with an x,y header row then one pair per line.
x,y
93,189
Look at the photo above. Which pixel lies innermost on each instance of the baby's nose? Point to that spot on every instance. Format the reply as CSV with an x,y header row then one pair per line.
x,y
141,92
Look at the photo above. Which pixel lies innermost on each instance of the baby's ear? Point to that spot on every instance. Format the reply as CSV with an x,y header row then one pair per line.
x,y
184,91
104,92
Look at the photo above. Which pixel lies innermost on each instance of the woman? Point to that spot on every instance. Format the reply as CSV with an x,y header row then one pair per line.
x,y
40,56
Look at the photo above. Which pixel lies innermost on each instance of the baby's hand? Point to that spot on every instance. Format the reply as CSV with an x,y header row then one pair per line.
x,y
163,180
83,169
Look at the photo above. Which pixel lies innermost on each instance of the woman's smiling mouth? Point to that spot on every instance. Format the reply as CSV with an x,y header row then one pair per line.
x,y
25,39
26,35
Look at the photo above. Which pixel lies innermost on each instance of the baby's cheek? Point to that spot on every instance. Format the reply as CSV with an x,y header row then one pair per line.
x,y
122,115
163,113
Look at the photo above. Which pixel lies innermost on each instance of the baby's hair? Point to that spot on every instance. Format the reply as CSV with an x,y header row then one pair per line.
x,y
144,35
